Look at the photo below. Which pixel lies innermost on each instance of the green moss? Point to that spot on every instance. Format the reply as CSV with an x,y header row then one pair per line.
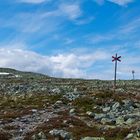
x,y
117,133
37,101
104,94
84,103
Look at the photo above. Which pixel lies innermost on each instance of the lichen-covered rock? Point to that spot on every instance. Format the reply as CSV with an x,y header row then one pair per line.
x,y
72,111
107,121
99,116
62,133
39,136
93,138
89,113
130,136
106,109
130,121
120,120
115,106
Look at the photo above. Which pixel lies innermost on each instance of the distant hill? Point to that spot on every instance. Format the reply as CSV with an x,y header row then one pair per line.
x,y
12,72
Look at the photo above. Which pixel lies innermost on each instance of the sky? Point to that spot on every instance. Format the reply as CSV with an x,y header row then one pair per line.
x,y
71,38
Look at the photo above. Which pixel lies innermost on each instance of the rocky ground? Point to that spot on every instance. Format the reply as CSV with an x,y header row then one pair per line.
x,y
38,107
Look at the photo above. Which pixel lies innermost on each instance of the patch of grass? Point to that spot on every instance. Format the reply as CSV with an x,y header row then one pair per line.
x,y
105,94
79,129
84,104
56,123
10,127
54,98
14,114
117,133
4,136
37,100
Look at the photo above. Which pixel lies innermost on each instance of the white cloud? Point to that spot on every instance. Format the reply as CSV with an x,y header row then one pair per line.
x,y
127,33
128,64
96,65
68,41
72,11
52,20
118,2
100,2
100,38
121,2
32,1
40,22
84,21
130,27
61,65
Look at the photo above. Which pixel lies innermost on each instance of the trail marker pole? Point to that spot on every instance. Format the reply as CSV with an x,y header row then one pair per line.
x,y
115,58
133,73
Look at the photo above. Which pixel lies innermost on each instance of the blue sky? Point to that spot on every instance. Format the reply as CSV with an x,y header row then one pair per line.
x,y
71,38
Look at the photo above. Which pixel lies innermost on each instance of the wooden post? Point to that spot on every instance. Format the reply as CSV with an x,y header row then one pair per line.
x,y
115,58
115,73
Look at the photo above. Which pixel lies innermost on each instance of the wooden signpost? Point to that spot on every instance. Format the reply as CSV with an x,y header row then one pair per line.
x,y
116,59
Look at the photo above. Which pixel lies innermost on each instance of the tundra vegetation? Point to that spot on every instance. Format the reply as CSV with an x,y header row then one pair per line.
x,y
39,107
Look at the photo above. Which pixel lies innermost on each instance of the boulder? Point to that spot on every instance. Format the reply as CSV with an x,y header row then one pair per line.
x,y
56,91
115,106
99,116
130,121
129,136
62,133
39,136
89,113
93,138
120,120
107,120
72,111
106,109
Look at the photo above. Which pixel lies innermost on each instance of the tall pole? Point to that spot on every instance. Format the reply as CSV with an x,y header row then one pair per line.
x,y
133,72
115,58
115,72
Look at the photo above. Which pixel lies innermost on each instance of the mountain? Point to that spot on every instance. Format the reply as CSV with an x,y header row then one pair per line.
x,y
9,71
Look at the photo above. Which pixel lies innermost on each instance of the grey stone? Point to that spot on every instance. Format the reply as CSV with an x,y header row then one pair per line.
x,y
72,111
71,95
89,113
59,102
34,110
129,136
106,120
99,116
93,138
64,134
120,120
39,136
138,133
130,121
56,91
115,106
106,109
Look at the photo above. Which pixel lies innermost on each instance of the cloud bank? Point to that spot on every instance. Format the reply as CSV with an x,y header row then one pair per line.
x,y
121,2
118,2
61,65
